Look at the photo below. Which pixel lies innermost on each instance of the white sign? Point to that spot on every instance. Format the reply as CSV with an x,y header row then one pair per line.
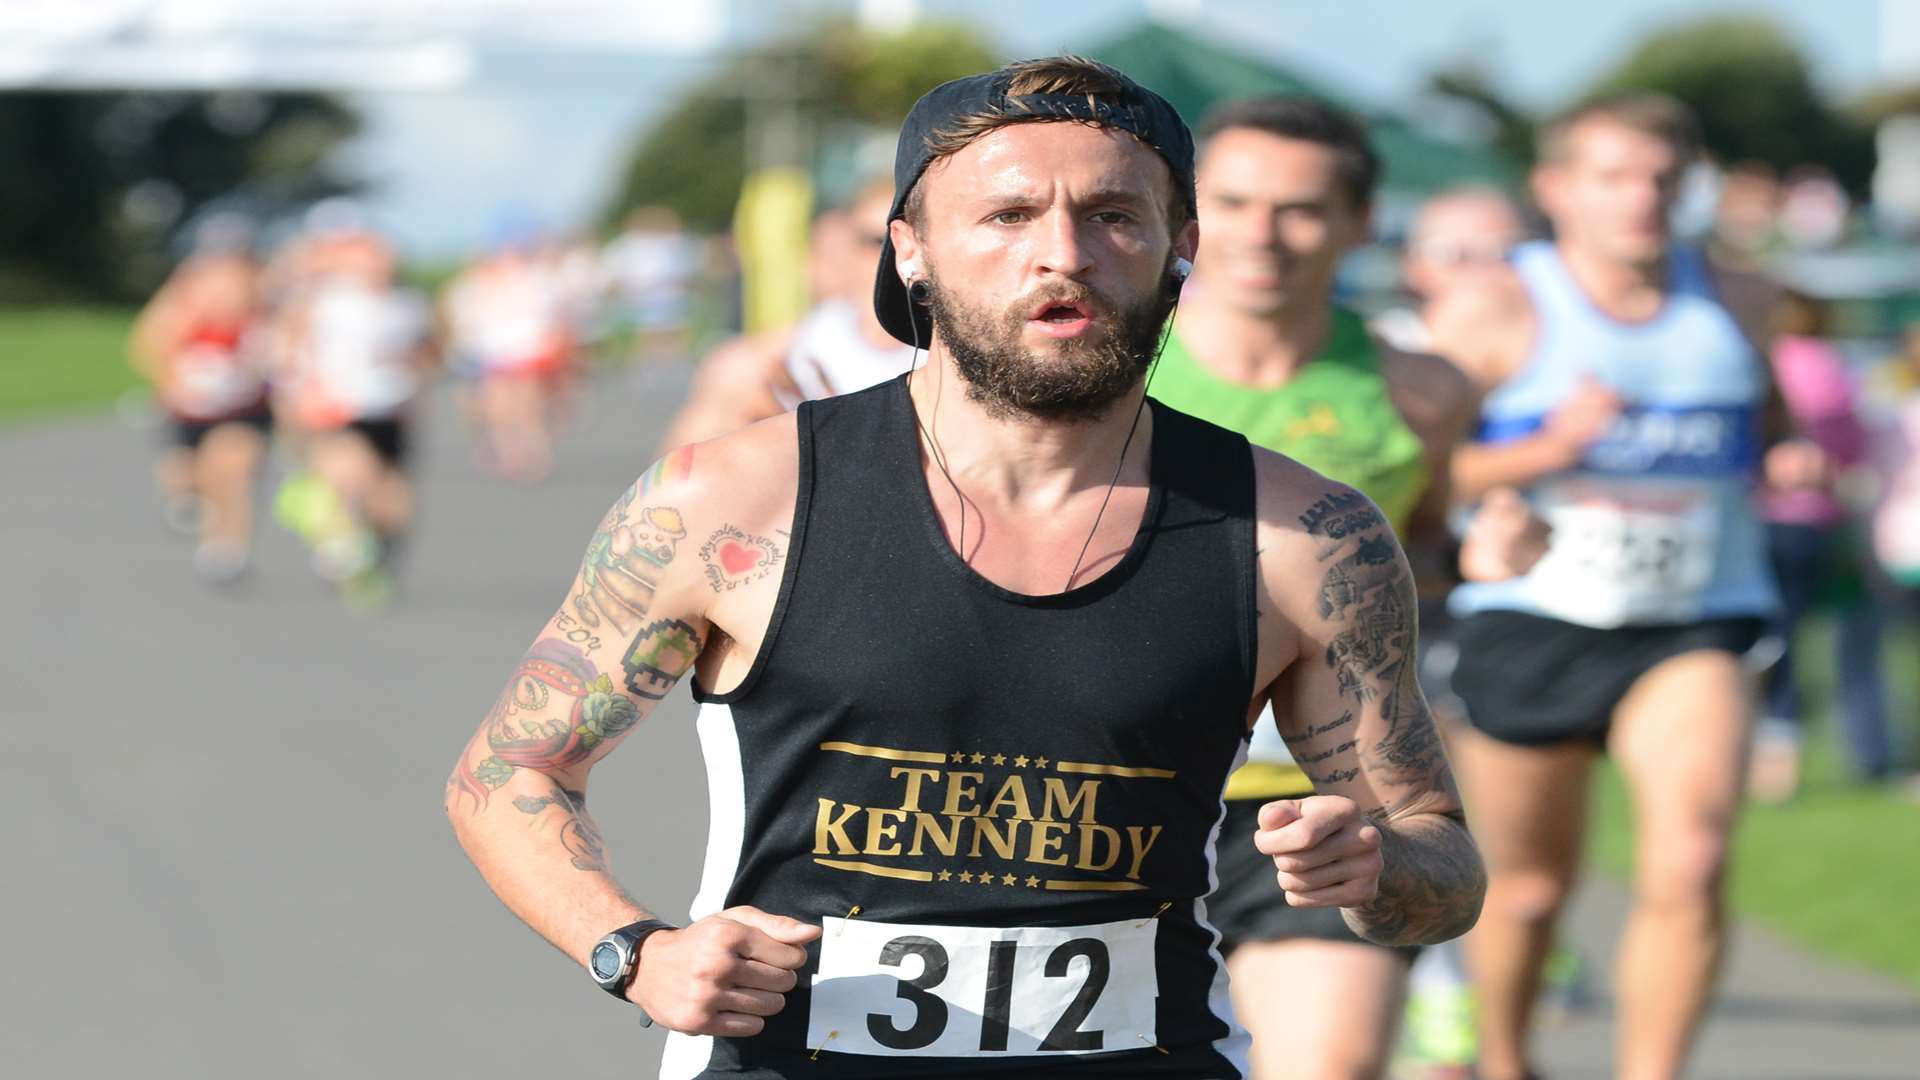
x,y
339,44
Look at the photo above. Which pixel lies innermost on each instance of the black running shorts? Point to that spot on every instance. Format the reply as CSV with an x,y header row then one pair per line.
x,y
1534,681
189,434
388,437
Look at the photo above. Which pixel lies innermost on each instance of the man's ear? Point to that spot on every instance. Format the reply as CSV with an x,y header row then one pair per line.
x,y
1186,242
908,259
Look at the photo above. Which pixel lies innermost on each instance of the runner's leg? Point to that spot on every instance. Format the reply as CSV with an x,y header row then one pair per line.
x,y
174,473
224,469
348,464
1527,808
1318,1010
1680,737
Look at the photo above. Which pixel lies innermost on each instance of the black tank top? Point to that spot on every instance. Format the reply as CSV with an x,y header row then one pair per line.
x,y
1001,807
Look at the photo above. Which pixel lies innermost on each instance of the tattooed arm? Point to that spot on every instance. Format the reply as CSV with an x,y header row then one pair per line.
x,y
1351,710
682,557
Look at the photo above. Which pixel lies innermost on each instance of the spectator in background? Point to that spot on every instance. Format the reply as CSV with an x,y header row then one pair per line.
x,y
196,342
1813,208
1817,559
1746,219
1896,525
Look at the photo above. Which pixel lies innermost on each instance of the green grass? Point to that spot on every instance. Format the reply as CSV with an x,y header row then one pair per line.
x,y
62,359
1837,869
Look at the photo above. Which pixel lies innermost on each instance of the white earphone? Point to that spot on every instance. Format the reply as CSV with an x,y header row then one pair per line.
x,y
1182,268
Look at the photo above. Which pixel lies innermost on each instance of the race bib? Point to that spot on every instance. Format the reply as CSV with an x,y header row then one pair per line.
x,y
901,989
1625,553
209,381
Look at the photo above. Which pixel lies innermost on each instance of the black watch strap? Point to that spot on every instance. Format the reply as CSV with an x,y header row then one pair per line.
x,y
632,936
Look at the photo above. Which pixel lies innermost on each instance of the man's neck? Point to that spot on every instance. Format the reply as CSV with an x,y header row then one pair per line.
x,y
1020,462
1625,290
1260,350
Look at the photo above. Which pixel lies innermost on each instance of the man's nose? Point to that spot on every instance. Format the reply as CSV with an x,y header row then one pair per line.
x,y
1063,250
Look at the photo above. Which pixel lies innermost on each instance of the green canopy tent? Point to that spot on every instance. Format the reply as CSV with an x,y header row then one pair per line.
x,y
1195,74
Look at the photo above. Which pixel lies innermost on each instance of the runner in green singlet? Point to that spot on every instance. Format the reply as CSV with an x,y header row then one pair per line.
x,y
1285,189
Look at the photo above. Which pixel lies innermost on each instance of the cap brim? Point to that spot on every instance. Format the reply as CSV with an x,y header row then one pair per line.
x,y
904,319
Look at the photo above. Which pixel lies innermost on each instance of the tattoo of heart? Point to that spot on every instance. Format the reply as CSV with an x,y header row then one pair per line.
x,y
734,558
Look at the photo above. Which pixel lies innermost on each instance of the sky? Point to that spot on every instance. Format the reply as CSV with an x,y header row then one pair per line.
x,y
541,132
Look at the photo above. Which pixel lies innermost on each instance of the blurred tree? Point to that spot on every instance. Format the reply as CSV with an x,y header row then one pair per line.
x,y
96,183
1753,91
1468,84
694,158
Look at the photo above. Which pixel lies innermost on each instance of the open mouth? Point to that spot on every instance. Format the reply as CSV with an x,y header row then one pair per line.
x,y
1061,318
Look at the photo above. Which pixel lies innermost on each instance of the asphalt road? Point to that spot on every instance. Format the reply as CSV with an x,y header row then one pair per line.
x,y
227,858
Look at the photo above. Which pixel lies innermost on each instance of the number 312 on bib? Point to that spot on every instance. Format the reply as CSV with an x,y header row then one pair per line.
x,y
903,989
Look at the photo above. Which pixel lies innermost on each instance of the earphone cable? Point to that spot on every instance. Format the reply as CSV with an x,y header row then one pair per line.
x,y
1166,332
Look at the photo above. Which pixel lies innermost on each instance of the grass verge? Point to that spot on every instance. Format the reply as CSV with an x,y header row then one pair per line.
x,y
62,359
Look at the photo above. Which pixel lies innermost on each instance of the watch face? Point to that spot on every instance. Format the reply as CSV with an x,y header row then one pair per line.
x,y
606,961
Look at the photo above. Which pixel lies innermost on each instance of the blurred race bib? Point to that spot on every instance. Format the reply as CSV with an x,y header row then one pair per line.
x,y
1625,552
211,381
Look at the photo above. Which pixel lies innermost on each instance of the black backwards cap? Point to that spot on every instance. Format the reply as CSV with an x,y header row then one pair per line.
x,y
1133,108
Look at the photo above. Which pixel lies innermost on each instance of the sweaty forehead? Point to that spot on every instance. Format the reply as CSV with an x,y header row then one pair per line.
x,y
1039,158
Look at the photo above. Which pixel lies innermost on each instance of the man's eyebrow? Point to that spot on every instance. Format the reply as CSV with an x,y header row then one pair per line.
x,y
1104,194
1118,194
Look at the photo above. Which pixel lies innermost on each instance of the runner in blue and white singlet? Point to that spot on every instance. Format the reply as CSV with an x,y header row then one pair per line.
x,y
1626,396
1655,523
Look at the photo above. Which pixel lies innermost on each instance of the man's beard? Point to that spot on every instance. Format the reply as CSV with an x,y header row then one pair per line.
x,y
1078,380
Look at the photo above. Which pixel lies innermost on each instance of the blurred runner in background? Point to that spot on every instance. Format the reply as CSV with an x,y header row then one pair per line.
x,y
196,342
1627,392
839,347
650,270
507,316
354,352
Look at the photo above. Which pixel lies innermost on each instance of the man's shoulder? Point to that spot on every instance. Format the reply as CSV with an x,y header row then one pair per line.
x,y
1486,329
1426,382
1296,500
1305,519
747,477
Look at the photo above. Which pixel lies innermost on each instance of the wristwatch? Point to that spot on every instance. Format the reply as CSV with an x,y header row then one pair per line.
x,y
614,958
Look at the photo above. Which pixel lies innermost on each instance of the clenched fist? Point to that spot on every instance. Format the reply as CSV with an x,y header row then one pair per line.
x,y
1583,418
723,975
1504,539
1325,851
